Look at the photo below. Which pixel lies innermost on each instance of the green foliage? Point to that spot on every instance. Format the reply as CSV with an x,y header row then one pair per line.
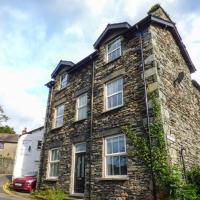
x,y
6,129
3,117
168,178
193,177
48,194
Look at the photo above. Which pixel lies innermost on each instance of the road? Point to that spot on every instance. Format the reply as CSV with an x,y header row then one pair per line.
x,y
3,195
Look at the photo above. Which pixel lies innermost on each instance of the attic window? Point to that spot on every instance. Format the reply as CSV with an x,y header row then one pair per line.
x,y
113,50
63,80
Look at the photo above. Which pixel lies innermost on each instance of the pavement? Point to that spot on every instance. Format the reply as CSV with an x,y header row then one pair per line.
x,y
9,195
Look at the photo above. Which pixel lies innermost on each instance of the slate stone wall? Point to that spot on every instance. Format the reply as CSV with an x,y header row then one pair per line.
x,y
180,100
128,66
180,105
71,132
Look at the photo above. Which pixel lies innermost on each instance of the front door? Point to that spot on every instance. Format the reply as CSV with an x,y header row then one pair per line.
x,y
79,174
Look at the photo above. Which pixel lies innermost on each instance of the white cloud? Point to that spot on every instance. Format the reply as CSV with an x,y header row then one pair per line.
x,y
25,108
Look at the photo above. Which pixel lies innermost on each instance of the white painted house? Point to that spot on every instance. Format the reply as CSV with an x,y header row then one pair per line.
x,y
28,152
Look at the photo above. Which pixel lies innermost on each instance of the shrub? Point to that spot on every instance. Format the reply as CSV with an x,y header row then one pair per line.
x,y
193,177
49,194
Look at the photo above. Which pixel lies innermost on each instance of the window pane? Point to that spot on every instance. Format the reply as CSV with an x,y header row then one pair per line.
x,y
109,146
121,144
115,145
119,84
1,145
82,100
54,169
115,100
82,113
109,165
81,147
110,57
114,50
60,110
54,155
114,87
114,45
59,121
63,80
123,165
116,165
51,169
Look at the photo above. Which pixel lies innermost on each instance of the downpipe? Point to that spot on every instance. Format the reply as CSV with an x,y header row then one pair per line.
x,y
147,114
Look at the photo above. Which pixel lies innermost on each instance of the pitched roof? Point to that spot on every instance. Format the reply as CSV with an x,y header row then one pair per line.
x,y
138,27
111,27
151,19
9,138
196,85
62,64
84,61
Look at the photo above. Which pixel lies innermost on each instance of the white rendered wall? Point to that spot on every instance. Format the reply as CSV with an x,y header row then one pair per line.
x,y
27,155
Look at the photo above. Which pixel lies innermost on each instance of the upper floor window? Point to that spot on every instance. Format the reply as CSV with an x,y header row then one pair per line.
x,y
39,145
53,163
59,115
114,94
81,107
115,156
114,50
63,80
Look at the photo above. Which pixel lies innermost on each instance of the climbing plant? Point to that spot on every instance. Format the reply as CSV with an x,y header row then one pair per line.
x,y
168,177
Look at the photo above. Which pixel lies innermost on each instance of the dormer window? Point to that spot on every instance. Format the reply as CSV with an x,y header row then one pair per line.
x,y
63,80
114,50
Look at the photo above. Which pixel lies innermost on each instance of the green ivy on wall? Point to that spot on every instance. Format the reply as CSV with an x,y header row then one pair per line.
x,y
168,177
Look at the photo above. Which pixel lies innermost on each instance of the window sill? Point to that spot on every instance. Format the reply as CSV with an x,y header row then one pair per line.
x,y
60,90
126,178
110,62
56,128
112,109
51,179
80,120
76,195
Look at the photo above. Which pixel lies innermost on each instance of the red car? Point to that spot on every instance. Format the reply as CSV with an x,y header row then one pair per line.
x,y
26,183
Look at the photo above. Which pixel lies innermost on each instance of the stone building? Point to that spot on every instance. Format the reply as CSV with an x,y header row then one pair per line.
x,y
8,145
84,152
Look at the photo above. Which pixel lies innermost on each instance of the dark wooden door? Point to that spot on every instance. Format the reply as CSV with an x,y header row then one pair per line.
x,y
79,179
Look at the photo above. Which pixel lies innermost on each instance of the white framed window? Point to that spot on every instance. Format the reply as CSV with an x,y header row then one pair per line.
x,y
81,107
53,163
115,156
63,80
114,49
114,94
59,115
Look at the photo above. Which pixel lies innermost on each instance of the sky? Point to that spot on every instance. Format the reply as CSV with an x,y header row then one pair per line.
x,y
35,35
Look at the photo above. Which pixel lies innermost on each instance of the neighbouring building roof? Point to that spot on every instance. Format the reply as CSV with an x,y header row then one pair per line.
x,y
8,138
32,131
62,64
